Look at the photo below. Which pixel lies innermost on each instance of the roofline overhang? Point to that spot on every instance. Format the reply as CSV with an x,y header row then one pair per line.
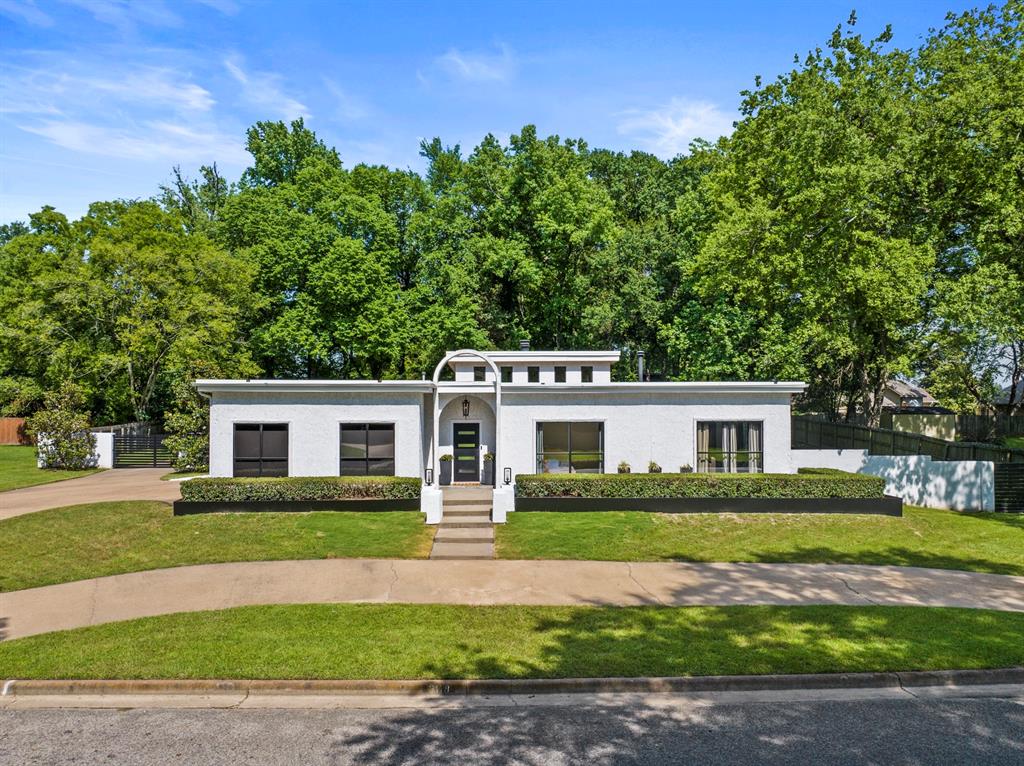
x,y
207,386
609,357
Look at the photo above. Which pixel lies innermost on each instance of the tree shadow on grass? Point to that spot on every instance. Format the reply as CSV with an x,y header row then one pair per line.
x,y
889,556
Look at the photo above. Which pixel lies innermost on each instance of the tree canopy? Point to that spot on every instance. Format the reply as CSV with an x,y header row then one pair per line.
x,y
863,221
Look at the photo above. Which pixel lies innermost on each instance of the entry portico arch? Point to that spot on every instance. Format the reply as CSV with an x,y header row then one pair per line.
x,y
436,434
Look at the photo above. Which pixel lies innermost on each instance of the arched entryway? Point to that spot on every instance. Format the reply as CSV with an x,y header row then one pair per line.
x,y
466,430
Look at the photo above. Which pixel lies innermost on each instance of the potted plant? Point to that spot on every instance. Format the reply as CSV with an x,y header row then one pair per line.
x,y
686,468
624,467
653,467
488,469
446,470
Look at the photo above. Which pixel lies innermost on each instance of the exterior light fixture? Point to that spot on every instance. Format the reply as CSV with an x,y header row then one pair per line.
x,y
465,408
428,476
508,475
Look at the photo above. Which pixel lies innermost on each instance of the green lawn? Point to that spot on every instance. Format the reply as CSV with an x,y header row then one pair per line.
x,y
98,539
18,469
984,542
435,641
1014,442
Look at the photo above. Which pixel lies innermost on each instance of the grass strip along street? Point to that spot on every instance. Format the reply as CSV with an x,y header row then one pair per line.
x,y
98,539
384,641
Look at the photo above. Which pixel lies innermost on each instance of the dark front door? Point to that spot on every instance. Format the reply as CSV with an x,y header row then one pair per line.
x,y
466,441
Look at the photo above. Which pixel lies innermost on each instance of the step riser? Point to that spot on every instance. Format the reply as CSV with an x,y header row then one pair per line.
x,y
462,514
467,524
467,503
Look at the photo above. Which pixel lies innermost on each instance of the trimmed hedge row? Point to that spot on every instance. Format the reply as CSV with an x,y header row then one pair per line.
x,y
729,485
300,488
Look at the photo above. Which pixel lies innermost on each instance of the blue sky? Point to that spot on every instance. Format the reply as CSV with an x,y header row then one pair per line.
x,y
100,98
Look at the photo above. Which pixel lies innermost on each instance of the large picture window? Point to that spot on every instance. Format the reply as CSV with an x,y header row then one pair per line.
x,y
367,449
570,447
261,449
729,447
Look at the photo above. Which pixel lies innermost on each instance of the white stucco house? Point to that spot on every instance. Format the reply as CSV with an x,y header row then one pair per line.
x,y
531,411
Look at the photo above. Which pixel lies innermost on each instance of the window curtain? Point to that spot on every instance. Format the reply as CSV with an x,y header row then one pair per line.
x,y
755,447
729,447
703,439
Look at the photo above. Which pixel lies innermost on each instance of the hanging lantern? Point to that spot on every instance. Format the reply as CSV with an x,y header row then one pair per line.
x,y
465,408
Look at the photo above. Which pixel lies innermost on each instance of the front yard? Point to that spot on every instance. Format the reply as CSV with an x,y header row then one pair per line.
x,y
380,641
18,469
83,541
924,537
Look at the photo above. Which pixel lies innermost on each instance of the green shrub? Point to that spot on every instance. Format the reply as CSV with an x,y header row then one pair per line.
x,y
61,431
784,485
301,489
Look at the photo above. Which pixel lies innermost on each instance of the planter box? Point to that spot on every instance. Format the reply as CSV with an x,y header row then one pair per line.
x,y
885,506
446,473
185,508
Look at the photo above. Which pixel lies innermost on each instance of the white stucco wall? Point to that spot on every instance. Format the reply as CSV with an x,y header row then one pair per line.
x,y
103,450
960,485
314,421
640,427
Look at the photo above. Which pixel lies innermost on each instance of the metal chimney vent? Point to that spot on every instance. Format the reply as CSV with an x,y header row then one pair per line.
x,y
640,366
524,345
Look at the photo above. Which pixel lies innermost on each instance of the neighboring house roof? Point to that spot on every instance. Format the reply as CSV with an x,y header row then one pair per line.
x,y
1004,395
906,390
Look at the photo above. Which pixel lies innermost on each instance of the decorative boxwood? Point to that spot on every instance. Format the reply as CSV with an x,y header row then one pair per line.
x,y
299,494
814,484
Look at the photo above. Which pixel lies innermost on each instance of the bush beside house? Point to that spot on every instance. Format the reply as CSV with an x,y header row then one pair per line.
x,y
300,489
816,483
61,431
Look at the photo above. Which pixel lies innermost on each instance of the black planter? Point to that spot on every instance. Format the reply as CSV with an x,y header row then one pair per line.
x,y
446,473
488,479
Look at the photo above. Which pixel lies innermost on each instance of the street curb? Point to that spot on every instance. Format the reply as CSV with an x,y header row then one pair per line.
x,y
475,687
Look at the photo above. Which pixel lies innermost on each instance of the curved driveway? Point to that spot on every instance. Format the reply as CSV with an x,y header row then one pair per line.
x,y
106,486
605,583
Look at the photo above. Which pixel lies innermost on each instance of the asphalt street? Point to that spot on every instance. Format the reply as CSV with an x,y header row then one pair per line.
x,y
659,729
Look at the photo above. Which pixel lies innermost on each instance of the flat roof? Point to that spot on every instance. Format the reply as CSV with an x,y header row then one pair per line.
x,y
426,387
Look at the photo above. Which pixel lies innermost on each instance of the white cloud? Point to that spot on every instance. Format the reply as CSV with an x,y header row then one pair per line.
x,y
25,11
127,15
150,140
479,67
669,129
69,85
114,106
263,91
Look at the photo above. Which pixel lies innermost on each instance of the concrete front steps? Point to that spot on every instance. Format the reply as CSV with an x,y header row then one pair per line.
x,y
465,531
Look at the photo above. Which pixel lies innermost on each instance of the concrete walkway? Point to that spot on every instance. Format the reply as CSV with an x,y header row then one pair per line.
x,y
219,586
114,484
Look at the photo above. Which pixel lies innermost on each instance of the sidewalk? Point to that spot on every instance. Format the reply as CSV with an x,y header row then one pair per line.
x,y
106,486
602,583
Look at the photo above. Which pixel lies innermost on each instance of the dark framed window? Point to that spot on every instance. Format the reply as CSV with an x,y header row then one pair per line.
x,y
559,375
533,374
725,446
506,374
479,373
587,374
570,447
261,449
367,449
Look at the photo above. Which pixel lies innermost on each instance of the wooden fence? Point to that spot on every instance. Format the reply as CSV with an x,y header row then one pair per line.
x,y
12,431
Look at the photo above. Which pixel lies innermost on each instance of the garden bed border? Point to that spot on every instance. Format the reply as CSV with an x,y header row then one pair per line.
x,y
360,505
883,506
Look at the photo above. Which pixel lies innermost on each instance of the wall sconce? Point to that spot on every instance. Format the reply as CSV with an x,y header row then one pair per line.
x,y
465,408
508,475
428,476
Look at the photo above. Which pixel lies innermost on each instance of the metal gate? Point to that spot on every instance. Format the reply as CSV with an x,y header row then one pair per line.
x,y
141,452
1010,487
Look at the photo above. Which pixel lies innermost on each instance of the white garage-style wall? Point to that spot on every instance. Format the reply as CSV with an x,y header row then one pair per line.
x,y
314,420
